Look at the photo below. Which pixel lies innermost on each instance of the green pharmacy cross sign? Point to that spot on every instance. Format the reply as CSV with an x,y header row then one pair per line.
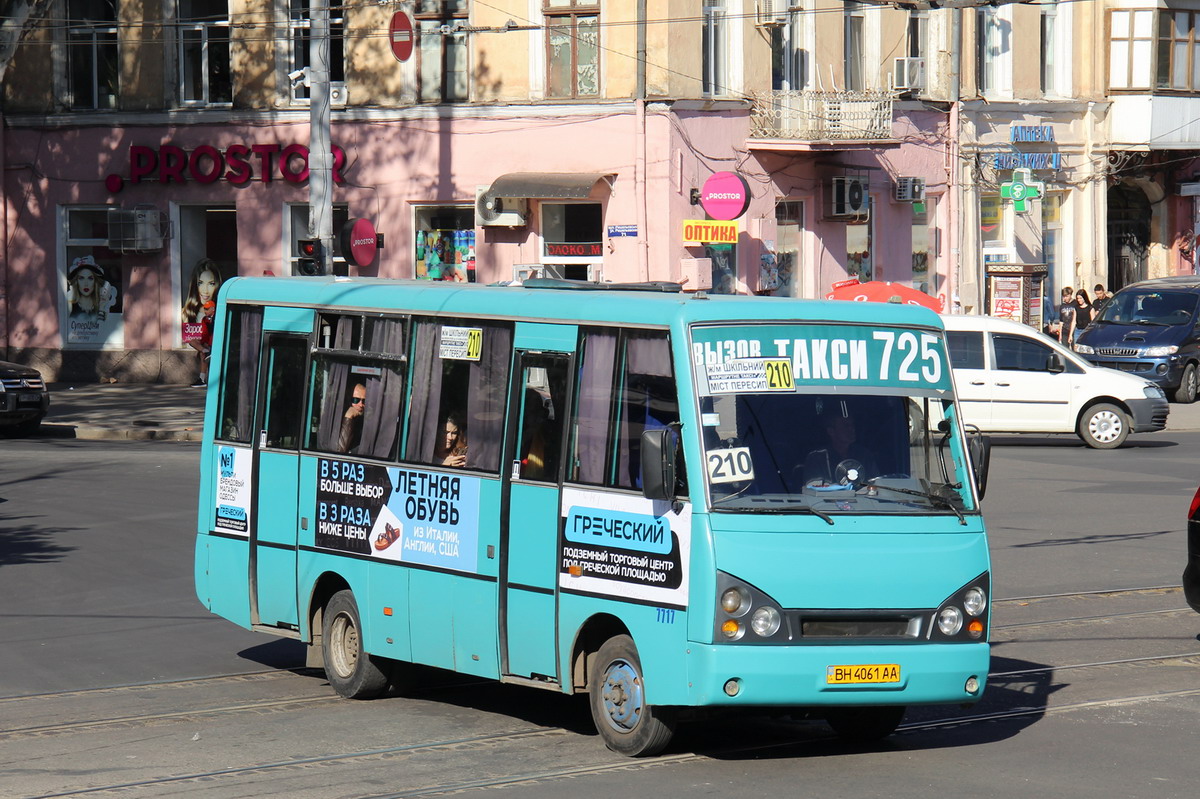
x,y
1022,188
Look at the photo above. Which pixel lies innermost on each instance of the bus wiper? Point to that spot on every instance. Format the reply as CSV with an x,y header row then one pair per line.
x,y
927,495
806,509
768,505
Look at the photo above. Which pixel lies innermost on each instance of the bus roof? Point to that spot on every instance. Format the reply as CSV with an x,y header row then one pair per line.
x,y
642,306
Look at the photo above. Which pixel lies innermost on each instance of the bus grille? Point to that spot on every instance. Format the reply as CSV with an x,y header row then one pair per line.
x,y
816,626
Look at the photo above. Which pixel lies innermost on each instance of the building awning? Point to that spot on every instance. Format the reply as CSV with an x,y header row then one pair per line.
x,y
547,185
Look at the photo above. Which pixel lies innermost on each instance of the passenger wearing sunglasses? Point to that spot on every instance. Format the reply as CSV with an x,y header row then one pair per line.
x,y
352,419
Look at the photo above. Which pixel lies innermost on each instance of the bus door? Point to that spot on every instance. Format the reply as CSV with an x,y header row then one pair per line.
x,y
529,535
273,528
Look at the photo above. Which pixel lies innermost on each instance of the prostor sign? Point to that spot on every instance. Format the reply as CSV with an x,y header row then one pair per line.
x,y
238,164
360,243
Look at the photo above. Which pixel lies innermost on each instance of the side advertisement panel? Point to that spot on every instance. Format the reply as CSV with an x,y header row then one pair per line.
x,y
625,547
399,514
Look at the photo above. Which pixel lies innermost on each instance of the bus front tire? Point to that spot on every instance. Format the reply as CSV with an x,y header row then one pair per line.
x,y
352,672
864,725
617,698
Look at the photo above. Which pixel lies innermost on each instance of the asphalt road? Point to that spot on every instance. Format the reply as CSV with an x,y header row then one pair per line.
x,y
111,673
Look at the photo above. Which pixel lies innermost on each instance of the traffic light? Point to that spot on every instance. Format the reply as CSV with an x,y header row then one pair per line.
x,y
311,260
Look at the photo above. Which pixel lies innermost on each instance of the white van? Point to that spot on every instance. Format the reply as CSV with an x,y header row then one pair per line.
x,y
1012,379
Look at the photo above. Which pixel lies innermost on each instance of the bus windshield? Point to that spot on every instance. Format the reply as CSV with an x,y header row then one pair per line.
x,y
829,420
832,453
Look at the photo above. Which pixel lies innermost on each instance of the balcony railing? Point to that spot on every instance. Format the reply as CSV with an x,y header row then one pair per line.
x,y
821,116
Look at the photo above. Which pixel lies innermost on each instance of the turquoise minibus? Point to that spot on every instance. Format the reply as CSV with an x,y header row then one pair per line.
x,y
666,500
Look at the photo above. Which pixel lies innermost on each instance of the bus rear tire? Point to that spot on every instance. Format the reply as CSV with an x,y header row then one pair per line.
x,y
352,672
864,725
617,698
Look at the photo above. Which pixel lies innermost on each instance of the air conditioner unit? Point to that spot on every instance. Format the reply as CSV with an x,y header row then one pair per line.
x,y
141,229
910,190
499,211
773,12
337,94
850,196
909,74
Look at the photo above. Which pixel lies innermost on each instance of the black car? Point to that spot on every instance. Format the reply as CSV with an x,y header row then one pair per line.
x,y
23,399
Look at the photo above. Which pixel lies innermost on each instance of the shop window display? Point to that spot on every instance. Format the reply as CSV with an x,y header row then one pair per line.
x,y
445,244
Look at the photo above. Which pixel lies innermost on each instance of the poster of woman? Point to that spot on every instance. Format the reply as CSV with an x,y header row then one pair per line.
x,y
199,304
93,303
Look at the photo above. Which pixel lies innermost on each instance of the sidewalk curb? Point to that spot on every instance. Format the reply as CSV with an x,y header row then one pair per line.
x,y
91,433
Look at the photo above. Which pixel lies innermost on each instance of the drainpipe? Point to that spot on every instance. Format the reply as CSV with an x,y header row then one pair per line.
x,y
640,166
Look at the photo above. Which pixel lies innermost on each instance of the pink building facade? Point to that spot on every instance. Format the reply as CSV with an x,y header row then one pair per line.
x,y
594,192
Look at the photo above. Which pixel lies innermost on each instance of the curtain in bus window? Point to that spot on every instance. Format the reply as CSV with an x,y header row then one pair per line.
x,y
485,399
648,401
385,394
424,407
337,374
594,405
241,374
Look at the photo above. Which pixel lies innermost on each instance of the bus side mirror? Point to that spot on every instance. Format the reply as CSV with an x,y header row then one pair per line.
x,y
658,463
1054,363
980,447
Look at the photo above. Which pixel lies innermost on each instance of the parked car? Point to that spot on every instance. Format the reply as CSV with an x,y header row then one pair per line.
x,y
1191,572
1150,329
24,399
1012,379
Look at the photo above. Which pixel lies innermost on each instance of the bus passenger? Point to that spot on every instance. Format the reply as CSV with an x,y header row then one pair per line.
x,y
452,446
352,420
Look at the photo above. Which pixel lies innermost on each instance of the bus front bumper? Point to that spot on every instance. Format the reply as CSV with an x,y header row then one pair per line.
x,y
802,676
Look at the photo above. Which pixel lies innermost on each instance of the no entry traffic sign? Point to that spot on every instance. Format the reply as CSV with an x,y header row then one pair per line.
x,y
401,34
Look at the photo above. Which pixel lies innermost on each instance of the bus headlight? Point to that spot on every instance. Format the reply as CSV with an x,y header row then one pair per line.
x,y
974,601
963,616
746,615
949,620
765,622
734,602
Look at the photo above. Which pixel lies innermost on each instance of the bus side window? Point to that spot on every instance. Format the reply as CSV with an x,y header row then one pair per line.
x,y
357,397
648,401
285,384
540,434
460,369
610,419
239,374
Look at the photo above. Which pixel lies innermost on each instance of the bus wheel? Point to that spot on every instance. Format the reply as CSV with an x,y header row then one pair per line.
x,y
617,697
865,724
352,672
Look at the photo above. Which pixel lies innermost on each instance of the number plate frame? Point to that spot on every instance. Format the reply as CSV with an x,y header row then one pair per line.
x,y
863,674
